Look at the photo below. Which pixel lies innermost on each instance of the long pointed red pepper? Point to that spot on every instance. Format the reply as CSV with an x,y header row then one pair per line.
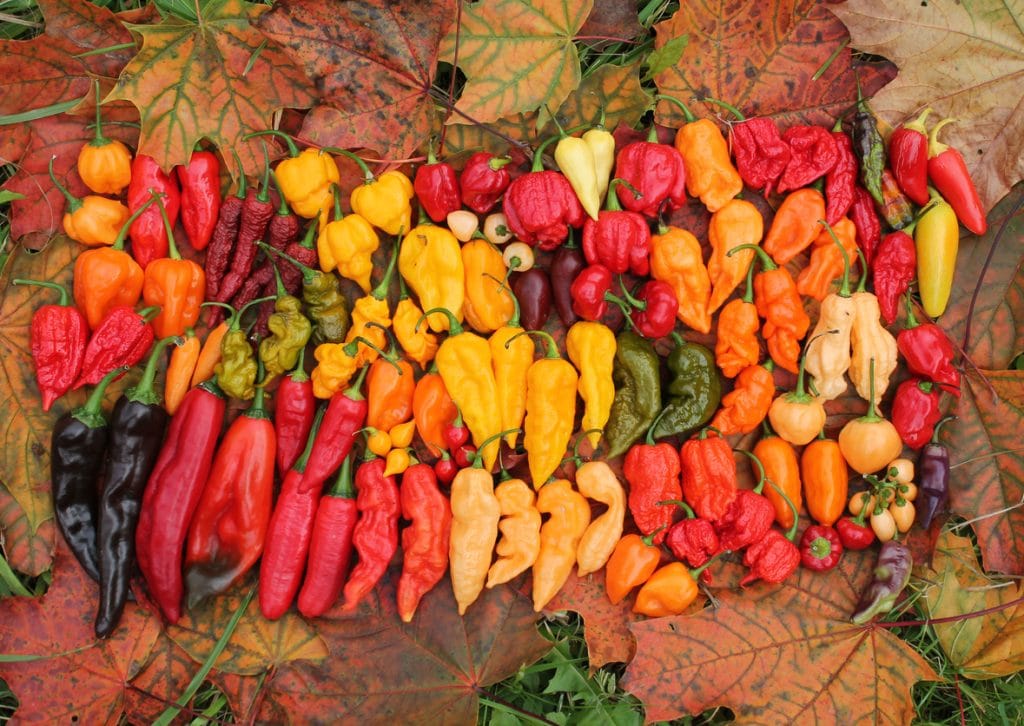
x,y
345,416
948,172
908,158
425,541
375,536
294,410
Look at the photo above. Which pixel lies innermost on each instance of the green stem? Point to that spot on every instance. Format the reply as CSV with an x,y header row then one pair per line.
x,y
298,374
99,139
513,322
74,203
862,283
687,113
477,459
64,297
241,191
454,327
307,272
264,193
767,263
172,247
258,407
727,106
381,291
143,392
355,391
368,177
844,287
343,484
612,204
307,239
122,235
91,414
293,150
763,477
352,348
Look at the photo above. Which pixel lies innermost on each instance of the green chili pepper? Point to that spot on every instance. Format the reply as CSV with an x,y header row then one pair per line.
x,y
236,371
325,303
694,391
289,332
870,149
637,399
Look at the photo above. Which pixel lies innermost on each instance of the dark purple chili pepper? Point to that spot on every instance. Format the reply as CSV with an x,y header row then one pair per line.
x,y
933,478
566,265
533,290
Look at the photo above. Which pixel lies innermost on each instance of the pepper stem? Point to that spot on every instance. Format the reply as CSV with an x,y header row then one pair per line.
x,y
74,203
476,458
381,291
801,391
257,409
630,299
649,539
307,239
354,391
91,414
918,123
942,422
342,486
236,318
282,210
727,106
912,321
368,177
687,510
336,194
649,438
748,293
872,415
293,150
767,263
298,374
687,113
64,298
862,283
763,477
143,392
240,192
123,233
552,346
935,147
612,204
844,286
99,139
264,193
300,463
307,272
352,348
281,291
513,322
538,154
454,326
172,247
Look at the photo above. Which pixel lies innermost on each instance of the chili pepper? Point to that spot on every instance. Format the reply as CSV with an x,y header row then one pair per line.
x,y
425,541
390,386
948,172
894,269
560,538
541,205
483,180
236,370
826,263
344,418
915,411
93,220
437,188
796,225
289,534
293,415
710,174
200,197
180,370
222,241
820,548
304,179
870,442
652,471
928,352
772,559
870,150
830,360
798,416
694,392
779,305
57,339
289,333
656,171
431,263
172,494
456,434
433,410
325,303
693,540
761,154
591,348
590,292
708,475
933,474
567,263
533,291
284,227
348,244
551,385
617,238
174,284
908,156
596,480
511,358
601,143
229,526
853,533
148,233
813,154
841,180
120,341
632,563
669,591
895,208
870,341
736,224
209,355
257,209
77,448
749,516
736,345
864,217
575,160
676,259
824,475
782,469
937,239
654,309
883,524
488,303
475,514
746,405
637,399
892,573
383,201
419,344
105,165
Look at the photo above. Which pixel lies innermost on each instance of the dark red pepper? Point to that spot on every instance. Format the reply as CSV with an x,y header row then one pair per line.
x,y
218,253
948,172
344,418
425,541
257,209
120,341
656,171
933,478
654,309
854,533
773,558
445,468
620,240
746,521
483,180
652,471
284,227
813,153
590,292
437,188
915,411
376,533
928,353
295,408
841,180
566,265
533,292
908,157
865,219
303,252
200,197
149,238
456,433
693,540
761,154
820,548
58,338
541,206
894,268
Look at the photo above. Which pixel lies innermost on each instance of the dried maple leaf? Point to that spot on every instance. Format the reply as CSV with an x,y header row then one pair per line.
x,y
779,654
981,646
217,79
761,57
373,62
26,550
159,683
75,678
965,60
517,56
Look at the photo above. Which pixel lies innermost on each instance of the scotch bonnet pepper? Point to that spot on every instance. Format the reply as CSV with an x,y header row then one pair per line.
x,y
304,179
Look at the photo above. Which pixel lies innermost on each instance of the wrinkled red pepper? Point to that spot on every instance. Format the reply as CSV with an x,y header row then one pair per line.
x,y
864,217
652,471
656,171
57,338
437,188
425,541
376,533
841,180
120,341
483,180
928,353
761,154
772,559
541,206
708,474
813,153
619,239
894,268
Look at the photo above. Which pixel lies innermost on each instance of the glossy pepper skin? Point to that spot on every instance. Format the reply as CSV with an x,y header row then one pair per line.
x,y
590,292
892,573
305,179
289,331
619,239
894,268
425,541
520,531
896,209
550,411
511,358
854,534
179,371
432,410
533,292
230,523
430,262
669,591
933,477
560,538
825,479
937,240
694,390
676,259
870,150
652,471
575,160
708,475
347,244
795,225
209,355
541,206
782,469
437,187
596,480
656,171
567,263
488,305
870,341
591,348
105,165
771,559
654,311
710,175
761,154
294,411
820,548
948,172
390,386
869,227
483,180
419,344
200,197
908,157
632,563
735,224
813,154
746,405
637,400
928,353
105,278
915,411
57,338
475,514
174,284
344,417
826,265
121,340
93,220
375,536
173,491
77,447
148,234
870,442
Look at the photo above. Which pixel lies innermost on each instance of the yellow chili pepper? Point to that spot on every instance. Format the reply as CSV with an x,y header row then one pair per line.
x,y
710,174
384,201
371,317
602,146
576,161
401,434
737,223
591,348
378,442
430,260
520,531
334,369
418,343
488,304
550,411
397,462
597,481
512,356
305,179
937,238
93,220
559,538
348,244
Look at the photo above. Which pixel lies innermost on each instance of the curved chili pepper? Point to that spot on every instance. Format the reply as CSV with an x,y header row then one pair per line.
x,y
841,180
870,150
736,345
652,471
425,540
746,405
294,411
120,341
520,530
892,573
894,269
375,536
948,172
179,371
433,410
148,233
933,475
559,538
761,154
677,259
908,157
869,228
200,197
928,352
222,241
551,385
343,419
257,209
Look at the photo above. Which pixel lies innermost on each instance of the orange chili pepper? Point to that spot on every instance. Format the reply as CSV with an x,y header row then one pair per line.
x,y
736,346
710,174
825,479
632,563
795,225
433,410
390,386
180,370
747,404
782,469
826,262
178,286
676,259
737,224
209,356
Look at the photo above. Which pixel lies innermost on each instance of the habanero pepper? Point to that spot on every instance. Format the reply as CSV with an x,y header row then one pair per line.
x,y
383,201
304,179
710,175
798,416
541,206
928,352
425,540
795,225
676,259
488,302
870,442
736,224
708,475
618,239
637,400
105,165
200,197
915,411
652,471
294,410
551,385
560,538
761,154
694,391
437,187
948,172
483,180
632,563
813,154
736,345
175,285
229,526
148,233
93,220
656,171
746,405
348,243
120,341
894,268
669,591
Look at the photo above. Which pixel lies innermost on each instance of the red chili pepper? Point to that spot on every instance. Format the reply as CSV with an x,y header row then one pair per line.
x,y
456,433
200,197
948,172
345,417
841,180
656,171
928,353
694,540
284,227
541,206
620,240
149,238
464,456
590,292
294,410
437,188
854,533
654,312
425,541
445,468
820,548
376,533
483,180
709,475
761,154
652,471
813,153
58,338
772,559
120,341
228,528
304,253
915,411
288,536
864,217
173,492
746,521
330,547
257,209
908,157
894,268
222,241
